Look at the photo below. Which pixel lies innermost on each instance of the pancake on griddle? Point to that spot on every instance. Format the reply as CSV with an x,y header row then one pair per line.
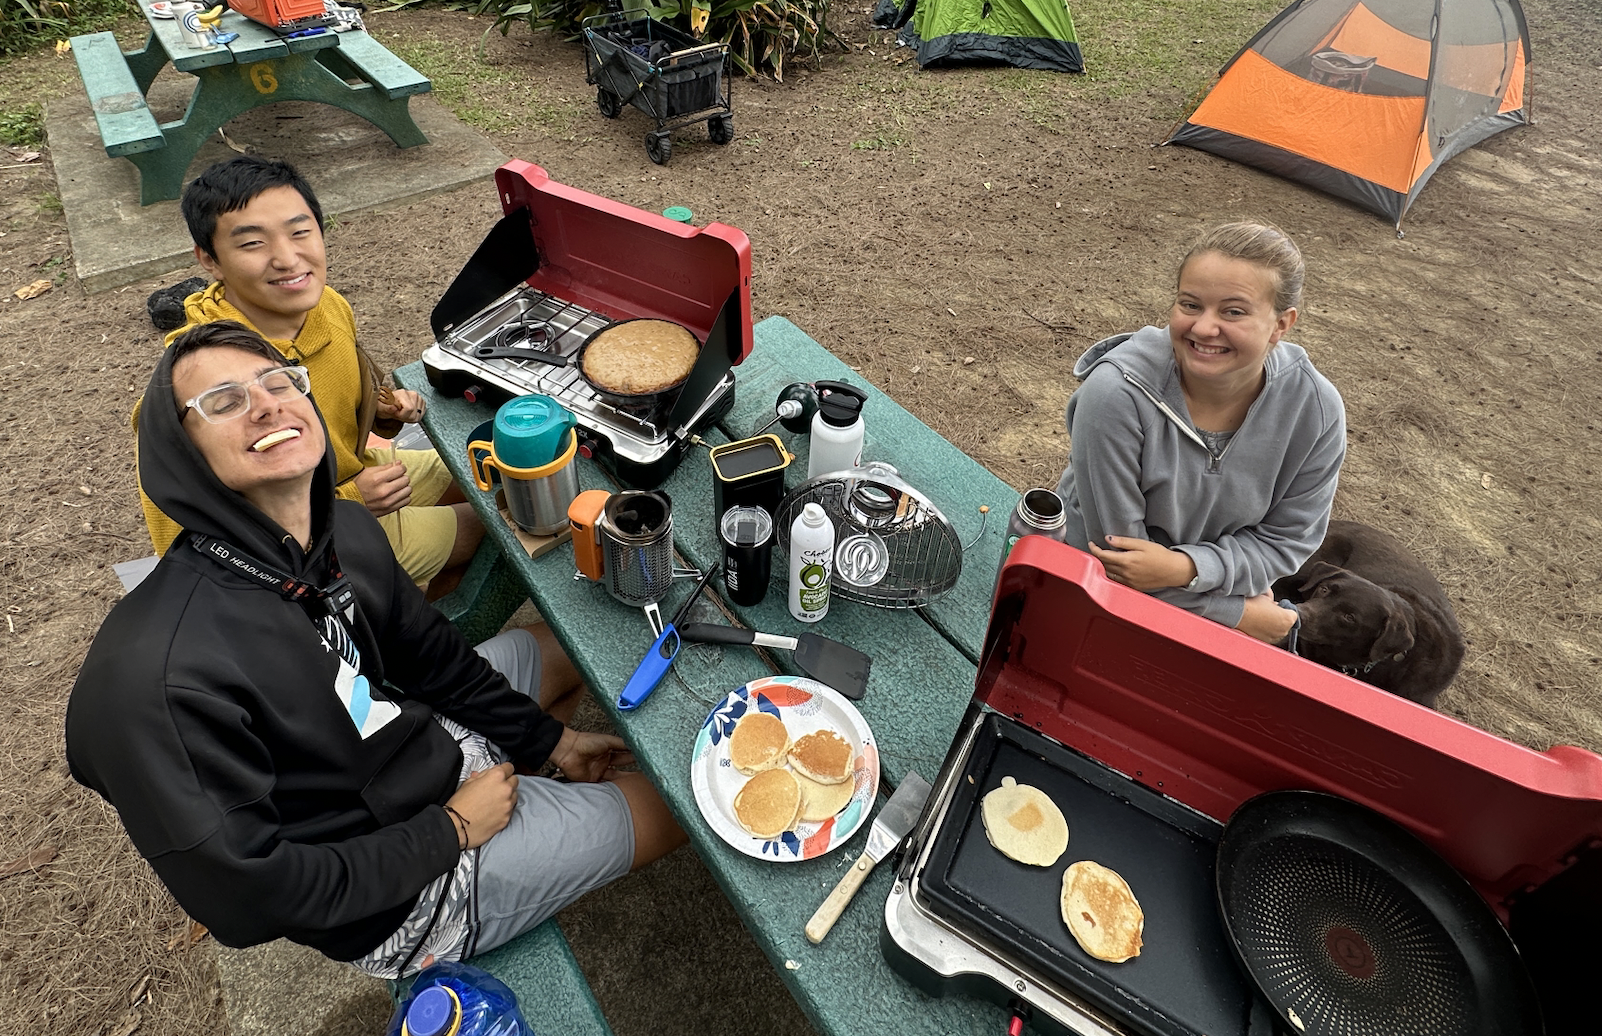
x,y
636,357
819,802
758,742
1023,823
1101,912
824,756
768,804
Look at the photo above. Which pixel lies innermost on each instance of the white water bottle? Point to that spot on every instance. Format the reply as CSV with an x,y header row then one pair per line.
x,y
811,563
837,428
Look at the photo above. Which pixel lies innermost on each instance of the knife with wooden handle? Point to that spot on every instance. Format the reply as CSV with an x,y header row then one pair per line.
x,y
894,822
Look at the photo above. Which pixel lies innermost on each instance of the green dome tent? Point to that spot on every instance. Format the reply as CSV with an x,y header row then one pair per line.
x,y
1025,33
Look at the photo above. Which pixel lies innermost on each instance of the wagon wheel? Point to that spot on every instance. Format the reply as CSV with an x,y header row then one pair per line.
x,y
720,128
609,102
659,147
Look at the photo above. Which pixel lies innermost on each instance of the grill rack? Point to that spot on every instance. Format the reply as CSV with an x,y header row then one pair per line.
x,y
921,554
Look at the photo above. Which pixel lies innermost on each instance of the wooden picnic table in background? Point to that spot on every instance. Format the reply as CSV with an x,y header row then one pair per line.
x,y
348,70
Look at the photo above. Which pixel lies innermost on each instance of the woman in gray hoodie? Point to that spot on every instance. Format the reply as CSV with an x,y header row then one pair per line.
x,y
1205,454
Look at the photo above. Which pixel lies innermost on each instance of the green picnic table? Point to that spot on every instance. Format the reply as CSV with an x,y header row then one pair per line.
x,y
922,676
348,70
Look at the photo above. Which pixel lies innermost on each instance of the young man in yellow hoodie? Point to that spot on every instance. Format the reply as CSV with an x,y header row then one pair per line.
x,y
258,232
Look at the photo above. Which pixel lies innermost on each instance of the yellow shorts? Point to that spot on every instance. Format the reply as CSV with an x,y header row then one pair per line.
x,y
421,532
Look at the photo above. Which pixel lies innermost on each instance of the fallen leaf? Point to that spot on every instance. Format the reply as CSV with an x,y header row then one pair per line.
x,y
27,156
33,290
33,861
63,48
126,1024
188,937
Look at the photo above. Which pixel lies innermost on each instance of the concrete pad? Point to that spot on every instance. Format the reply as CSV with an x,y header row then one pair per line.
x,y
352,163
280,987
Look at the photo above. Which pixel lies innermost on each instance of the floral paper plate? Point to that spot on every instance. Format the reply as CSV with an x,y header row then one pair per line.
x,y
804,706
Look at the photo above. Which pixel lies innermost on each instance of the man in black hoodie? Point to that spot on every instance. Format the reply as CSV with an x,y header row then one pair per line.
x,y
298,743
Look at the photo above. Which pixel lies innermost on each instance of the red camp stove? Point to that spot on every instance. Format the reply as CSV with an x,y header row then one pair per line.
x,y
562,264
1150,727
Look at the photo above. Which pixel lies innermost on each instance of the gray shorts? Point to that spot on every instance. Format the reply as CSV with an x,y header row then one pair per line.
x,y
562,841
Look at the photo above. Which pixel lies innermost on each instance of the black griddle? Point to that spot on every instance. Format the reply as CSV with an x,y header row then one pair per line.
x,y
1186,981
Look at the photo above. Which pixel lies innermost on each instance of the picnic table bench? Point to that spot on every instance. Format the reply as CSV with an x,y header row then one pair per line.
x,y
924,665
348,70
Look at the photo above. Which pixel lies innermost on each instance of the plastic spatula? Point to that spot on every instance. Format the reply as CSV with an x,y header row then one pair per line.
x,y
826,661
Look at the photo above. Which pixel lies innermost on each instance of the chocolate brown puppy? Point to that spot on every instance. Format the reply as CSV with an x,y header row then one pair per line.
x,y
1372,610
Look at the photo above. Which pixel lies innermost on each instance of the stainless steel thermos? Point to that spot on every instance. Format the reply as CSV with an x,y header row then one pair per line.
x,y
1040,513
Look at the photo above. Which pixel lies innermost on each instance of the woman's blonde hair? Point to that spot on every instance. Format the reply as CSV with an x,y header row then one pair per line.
x,y
1263,245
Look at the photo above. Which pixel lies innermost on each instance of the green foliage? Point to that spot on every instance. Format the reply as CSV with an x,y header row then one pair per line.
x,y
762,34
23,125
26,24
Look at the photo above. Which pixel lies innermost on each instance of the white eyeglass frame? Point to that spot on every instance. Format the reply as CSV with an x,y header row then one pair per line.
x,y
295,372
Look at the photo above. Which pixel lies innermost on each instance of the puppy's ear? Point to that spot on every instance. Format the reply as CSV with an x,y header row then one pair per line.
x,y
1316,573
1396,637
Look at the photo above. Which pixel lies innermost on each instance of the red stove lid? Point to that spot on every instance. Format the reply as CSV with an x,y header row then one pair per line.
x,y
1211,717
627,262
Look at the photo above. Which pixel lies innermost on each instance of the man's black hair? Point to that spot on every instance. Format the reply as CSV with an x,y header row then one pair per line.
x,y
222,334
231,185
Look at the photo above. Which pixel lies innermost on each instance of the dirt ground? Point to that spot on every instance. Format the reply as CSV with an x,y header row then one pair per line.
x,y
959,237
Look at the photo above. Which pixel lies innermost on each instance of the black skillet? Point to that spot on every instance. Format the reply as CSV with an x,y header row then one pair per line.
x,y
535,335
1351,926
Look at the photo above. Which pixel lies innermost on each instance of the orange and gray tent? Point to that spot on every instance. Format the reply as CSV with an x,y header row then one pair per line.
x,y
1364,99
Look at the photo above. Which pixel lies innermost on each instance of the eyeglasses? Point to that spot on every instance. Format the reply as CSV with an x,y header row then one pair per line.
x,y
226,402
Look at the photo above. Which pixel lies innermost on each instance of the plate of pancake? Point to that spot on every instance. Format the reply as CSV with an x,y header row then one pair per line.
x,y
785,768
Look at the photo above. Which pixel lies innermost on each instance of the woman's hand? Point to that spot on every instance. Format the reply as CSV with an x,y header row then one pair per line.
x,y
384,488
403,405
1266,620
484,802
1143,564
589,757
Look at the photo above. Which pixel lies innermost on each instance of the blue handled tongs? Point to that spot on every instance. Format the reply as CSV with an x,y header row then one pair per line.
x,y
660,658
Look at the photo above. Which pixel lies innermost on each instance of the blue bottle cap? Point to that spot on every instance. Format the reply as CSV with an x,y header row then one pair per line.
x,y
433,1013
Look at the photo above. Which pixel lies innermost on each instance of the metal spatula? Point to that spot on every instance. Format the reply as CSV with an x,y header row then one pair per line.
x,y
894,822
826,661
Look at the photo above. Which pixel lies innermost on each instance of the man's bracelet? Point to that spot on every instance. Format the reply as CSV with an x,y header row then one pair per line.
x,y
465,824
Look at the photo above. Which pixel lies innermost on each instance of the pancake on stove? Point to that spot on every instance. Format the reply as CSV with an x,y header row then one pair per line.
x,y
819,802
1101,912
824,756
758,742
767,805
1023,823
638,357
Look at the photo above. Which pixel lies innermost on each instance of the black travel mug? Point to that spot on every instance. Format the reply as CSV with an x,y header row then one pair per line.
x,y
747,535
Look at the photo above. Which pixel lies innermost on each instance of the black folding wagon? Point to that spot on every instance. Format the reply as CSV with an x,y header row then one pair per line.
x,y
666,73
